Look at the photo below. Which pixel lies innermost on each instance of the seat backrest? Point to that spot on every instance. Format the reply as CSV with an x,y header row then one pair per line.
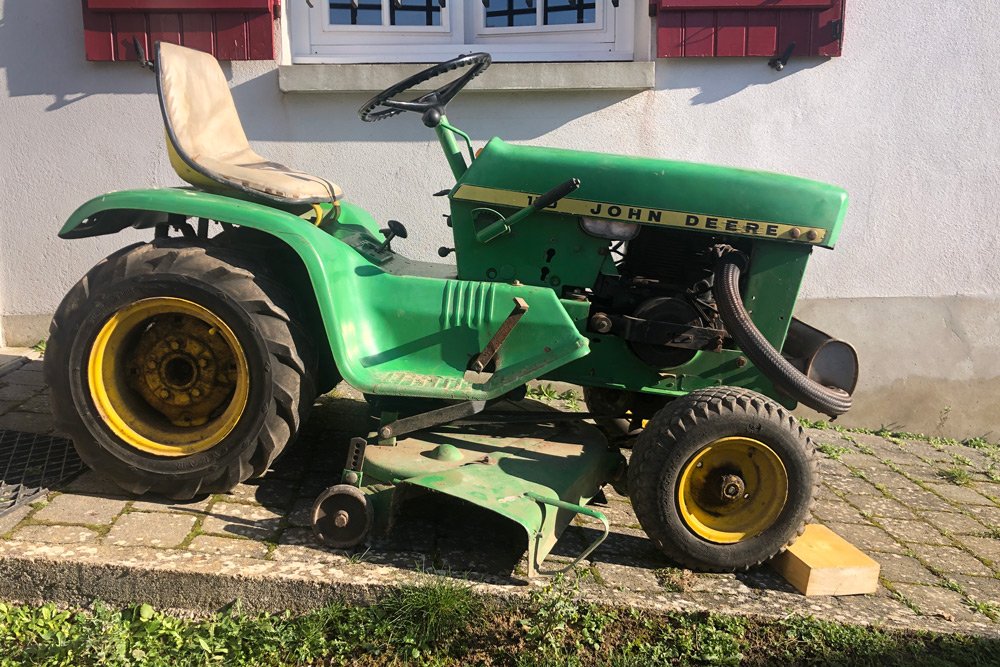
x,y
198,108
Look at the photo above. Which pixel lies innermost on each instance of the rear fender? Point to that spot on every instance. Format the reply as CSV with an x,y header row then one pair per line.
x,y
144,209
388,333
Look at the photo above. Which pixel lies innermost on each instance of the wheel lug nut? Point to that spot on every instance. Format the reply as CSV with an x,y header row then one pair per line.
x,y
151,365
202,363
196,392
164,393
174,345
699,464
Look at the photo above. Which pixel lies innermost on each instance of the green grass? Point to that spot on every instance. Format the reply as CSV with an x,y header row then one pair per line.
x,y
956,475
570,399
989,609
979,442
419,615
832,451
446,623
891,433
39,347
544,392
961,460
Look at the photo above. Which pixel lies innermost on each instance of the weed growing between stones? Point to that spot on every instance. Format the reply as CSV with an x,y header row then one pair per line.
x,y
544,392
832,451
674,579
895,436
956,475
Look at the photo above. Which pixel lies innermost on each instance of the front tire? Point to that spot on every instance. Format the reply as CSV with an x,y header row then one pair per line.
x,y
723,479
179,368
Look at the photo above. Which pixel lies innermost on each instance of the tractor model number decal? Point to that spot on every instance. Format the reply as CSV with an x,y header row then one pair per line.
x,y
644,215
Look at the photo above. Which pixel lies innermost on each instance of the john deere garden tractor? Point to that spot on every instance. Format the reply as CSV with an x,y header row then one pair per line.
x,y
186,364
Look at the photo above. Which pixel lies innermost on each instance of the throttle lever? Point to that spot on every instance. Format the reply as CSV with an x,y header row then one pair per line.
x,y
503,225
555,194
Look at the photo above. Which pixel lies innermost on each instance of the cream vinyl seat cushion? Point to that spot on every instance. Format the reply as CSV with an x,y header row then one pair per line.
x,y
207,144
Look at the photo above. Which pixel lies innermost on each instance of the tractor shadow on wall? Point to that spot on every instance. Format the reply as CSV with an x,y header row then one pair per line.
x,y
716,79
42,53
312,117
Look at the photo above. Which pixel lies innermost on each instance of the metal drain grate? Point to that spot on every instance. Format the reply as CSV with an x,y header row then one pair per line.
x,y
31,464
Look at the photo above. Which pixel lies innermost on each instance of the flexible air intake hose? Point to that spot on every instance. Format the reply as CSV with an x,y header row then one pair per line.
x,y
828,400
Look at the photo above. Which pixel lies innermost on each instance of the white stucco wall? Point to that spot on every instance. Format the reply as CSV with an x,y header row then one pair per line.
x,y
906,120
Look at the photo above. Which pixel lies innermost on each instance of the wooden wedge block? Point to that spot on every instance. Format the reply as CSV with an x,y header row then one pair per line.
x,y
821,562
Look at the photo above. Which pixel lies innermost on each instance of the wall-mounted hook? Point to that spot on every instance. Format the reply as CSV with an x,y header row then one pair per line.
x,y
779,63
140,55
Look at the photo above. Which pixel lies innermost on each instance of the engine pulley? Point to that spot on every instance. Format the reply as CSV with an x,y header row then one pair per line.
x,y
666,309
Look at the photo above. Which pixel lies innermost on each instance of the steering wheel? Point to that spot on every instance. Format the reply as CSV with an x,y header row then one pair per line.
x,y
431,106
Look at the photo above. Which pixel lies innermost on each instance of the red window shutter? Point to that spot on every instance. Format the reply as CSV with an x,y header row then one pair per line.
x,y
691,28
228,29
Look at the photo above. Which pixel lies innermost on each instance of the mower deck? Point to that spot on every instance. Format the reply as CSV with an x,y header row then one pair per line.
x,y
537,475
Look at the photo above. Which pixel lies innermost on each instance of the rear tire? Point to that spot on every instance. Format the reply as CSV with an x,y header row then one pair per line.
x,y
723,479
178,368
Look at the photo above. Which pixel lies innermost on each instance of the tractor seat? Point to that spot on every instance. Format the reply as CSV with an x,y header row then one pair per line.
x,y
208,147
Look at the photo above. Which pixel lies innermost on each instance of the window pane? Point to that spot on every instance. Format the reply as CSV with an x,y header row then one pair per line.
x,y
562,12
415,12
510,13
343,12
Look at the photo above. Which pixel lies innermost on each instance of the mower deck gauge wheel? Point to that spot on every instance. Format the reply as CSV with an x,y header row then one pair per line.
x,y
342,516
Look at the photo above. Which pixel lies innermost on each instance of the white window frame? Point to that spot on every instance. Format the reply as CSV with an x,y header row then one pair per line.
x,y
314,40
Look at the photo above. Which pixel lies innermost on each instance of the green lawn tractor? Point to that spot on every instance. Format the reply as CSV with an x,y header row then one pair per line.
x,y
185,365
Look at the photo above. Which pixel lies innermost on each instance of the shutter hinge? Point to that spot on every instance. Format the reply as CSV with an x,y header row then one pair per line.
x,y
837,25
653,6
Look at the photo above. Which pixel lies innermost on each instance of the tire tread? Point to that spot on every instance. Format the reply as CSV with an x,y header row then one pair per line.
x,y
290,352
680,418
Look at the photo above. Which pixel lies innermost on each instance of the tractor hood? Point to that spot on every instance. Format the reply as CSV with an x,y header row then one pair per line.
x,y
706,198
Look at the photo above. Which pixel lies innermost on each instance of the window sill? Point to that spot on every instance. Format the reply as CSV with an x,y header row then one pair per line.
x,y
331,78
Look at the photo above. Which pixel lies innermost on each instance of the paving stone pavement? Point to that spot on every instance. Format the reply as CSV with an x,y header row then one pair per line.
x,y
927,510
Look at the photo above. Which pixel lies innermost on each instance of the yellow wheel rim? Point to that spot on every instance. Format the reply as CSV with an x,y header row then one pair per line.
x,y
731,490
168,377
